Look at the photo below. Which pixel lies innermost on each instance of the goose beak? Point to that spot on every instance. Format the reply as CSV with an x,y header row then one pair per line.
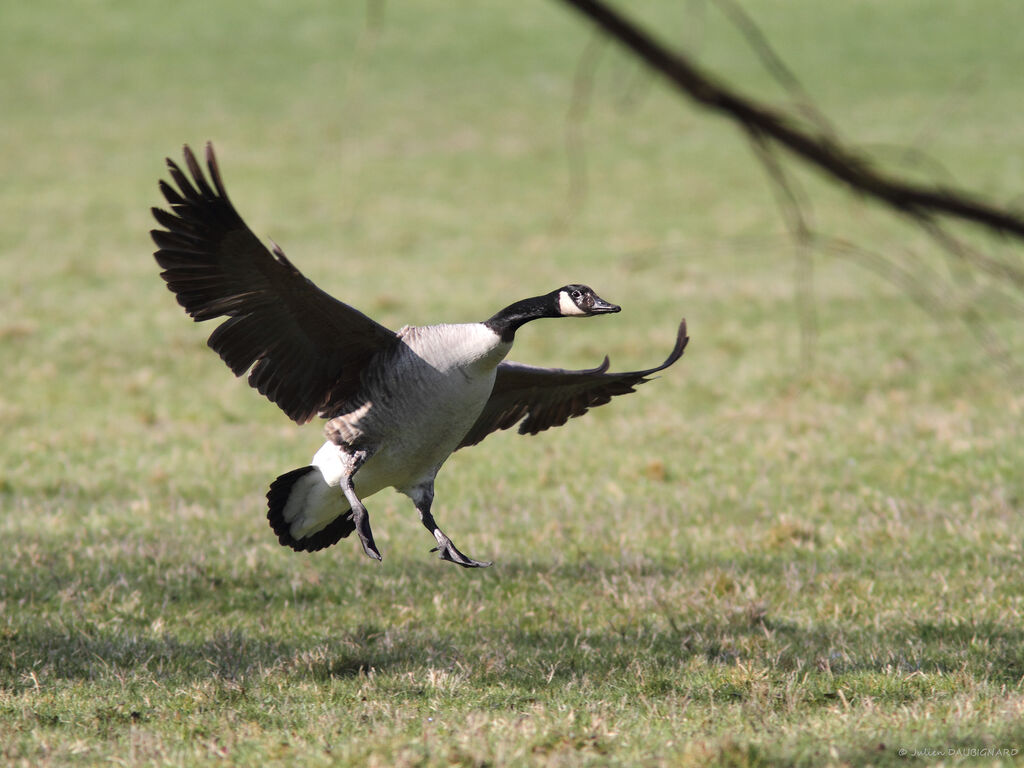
x,y
602,307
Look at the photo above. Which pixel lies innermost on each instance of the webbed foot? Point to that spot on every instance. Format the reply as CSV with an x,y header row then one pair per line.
x,y
362,520
448,551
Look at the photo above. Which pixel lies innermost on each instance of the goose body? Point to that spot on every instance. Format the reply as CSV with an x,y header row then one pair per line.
x,y
418,403
396,404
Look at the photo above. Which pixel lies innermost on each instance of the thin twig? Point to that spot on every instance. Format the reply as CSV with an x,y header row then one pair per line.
x,y
774,64
575,116
795,210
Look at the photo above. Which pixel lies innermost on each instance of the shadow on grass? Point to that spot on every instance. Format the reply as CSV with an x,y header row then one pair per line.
x,y
493,644
226,656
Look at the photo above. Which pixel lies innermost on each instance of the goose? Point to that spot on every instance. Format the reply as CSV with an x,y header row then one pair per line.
x,y
396,404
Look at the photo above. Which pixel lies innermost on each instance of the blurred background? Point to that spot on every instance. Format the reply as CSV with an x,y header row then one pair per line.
x,y
824,494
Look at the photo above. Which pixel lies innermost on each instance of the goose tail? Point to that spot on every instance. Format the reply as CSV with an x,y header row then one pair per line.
x,y
305,512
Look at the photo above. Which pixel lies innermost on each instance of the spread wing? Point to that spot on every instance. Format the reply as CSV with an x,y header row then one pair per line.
x,y
305,349
548,397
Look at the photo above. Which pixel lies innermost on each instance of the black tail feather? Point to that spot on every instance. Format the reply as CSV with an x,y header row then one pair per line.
x,y
277,497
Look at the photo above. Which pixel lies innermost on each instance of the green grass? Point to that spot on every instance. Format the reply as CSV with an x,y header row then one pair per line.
x,y
778,564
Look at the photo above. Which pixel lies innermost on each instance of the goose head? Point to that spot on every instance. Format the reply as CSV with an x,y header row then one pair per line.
x,y
573,300
580,301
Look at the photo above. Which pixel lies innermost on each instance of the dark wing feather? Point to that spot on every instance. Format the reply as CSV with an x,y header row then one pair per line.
x,y
305,349
548,397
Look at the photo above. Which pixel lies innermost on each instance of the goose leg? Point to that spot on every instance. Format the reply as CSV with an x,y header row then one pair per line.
x,y
352,462
423,497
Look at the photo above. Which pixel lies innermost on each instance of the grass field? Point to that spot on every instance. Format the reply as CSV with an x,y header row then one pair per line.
x,y
756,560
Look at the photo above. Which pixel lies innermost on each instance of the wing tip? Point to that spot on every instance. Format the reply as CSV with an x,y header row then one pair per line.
x,y
195,170
214,169
682,339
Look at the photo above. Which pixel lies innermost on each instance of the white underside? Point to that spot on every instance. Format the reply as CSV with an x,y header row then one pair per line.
x,y
313,504
316,499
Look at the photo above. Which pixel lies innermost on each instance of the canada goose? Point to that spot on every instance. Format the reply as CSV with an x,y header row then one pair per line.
x,y
397,404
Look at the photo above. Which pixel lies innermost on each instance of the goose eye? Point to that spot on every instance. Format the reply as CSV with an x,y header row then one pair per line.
x,y
576,295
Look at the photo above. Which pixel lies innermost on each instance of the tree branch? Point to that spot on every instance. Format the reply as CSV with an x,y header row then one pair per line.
x,y
922,202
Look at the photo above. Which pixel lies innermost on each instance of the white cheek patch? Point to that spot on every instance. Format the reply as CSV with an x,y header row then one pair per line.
x,y
567,307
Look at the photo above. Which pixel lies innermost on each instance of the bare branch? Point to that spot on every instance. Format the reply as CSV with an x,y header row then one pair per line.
x,y
575,145
919,201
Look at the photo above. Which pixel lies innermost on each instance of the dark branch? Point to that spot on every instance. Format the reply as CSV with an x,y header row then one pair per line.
x,y
922,202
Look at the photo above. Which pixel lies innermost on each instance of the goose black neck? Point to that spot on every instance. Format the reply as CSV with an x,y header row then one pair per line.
x,y
506,322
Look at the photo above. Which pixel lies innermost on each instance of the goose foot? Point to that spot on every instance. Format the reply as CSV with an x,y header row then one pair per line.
x,y
362,520
450,552
423,497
